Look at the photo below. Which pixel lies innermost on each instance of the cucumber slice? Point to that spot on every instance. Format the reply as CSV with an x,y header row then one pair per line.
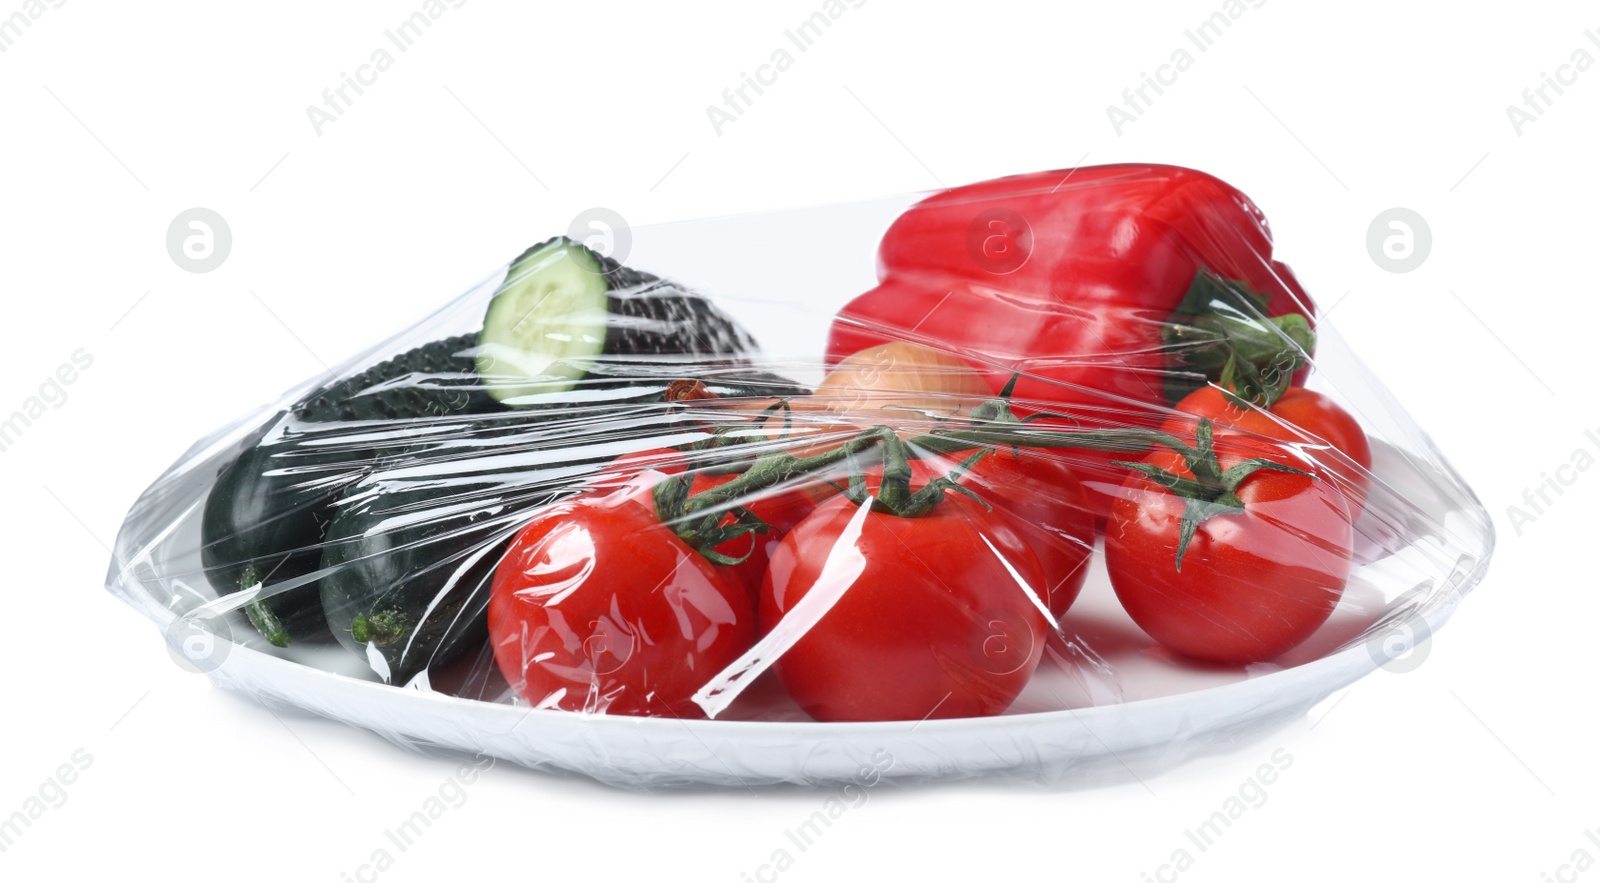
x,y
566,316
547,322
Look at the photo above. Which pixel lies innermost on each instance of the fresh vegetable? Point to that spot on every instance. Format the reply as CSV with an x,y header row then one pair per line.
x,y
565,316
433,380
901,383
744,556
942,570
1222,334
936,616
909,532
1038,495
1046,504
263,525
409,569
599,607
910,387
1232,557
1073,278
267,513
1311,421
898,381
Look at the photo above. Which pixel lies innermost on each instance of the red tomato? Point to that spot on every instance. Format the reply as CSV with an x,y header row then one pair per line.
x,y
781,508
1302,417
598,607
1253,584
1048,507
936,619
1041,496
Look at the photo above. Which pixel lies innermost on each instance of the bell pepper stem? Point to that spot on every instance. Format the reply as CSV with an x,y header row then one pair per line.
x,y
1221,334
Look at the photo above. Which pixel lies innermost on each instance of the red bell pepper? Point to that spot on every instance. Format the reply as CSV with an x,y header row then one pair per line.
x,y
1074,279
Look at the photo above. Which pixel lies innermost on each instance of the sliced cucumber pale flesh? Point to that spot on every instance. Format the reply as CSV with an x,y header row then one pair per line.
x,y
566,316
546,324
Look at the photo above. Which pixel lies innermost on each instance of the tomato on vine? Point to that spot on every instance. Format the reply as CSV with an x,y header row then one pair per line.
x,y
936,616
778,509
1231,555
1040,494
1300,416
598,606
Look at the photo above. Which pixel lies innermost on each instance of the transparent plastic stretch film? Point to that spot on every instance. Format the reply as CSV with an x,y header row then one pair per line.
x,y
1059,477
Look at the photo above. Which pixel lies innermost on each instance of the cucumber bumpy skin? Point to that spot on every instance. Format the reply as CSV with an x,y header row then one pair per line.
x,y
266,514
566,315
433,380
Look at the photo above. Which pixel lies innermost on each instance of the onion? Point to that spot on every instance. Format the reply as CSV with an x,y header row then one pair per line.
x,y
897,383
906,386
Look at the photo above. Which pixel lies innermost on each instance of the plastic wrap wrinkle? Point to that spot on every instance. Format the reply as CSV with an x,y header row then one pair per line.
x,y
578,520
844,564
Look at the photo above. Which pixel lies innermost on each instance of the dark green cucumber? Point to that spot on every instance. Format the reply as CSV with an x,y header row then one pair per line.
x,y
266,514
589,334
434,380
263,524
409,570
566,317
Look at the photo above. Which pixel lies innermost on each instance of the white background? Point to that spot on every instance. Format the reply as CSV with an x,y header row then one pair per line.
x,y
502,122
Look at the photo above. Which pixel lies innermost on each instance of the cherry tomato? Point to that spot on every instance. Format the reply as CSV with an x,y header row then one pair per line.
x,y
1041,497
598,607
1253,584
1301,416
934,618
781,508
1048,507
